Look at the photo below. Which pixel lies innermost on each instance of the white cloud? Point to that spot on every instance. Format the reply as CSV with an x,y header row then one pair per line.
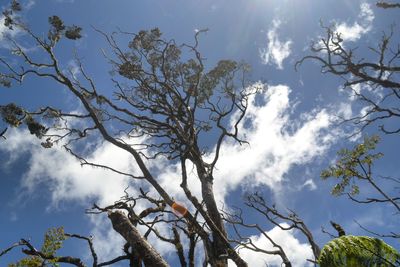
x,y
107,243
63,174
277,142
310,184
72,69
276,51
66,180
297,252
5,31
358,28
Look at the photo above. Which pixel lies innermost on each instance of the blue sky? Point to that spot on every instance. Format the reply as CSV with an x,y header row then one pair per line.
x,y
293,136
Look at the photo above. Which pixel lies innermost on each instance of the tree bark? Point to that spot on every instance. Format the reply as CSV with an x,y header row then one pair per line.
x,y
219,245
219,254
125,228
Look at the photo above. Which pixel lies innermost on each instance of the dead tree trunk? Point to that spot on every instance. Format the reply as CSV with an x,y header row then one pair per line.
x,y
125,228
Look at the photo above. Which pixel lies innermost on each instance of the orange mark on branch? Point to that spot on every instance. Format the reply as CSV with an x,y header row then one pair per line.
x,y
178,209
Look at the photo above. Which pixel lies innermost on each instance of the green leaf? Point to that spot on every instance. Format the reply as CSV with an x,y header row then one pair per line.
x,y
351,165
53,240
358,251
73,32
12,114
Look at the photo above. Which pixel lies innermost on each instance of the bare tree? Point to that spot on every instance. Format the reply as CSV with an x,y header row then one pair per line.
x,y
164,104
3,132
378,72
162,92
285,222
374,80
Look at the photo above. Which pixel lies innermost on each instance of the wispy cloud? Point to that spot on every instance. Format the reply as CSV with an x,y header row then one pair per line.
x,y
276,51
67,181
360,27
63,174
277,141
297,252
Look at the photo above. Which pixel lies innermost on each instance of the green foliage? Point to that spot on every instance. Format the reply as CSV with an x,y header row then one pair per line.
x,y
354,163
5,81
73,32
58,29
16,6
12,114
35,128
358,251
222,73
53,240
9,14
147,40
15,116
56,23
152,60
28,262
8,21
